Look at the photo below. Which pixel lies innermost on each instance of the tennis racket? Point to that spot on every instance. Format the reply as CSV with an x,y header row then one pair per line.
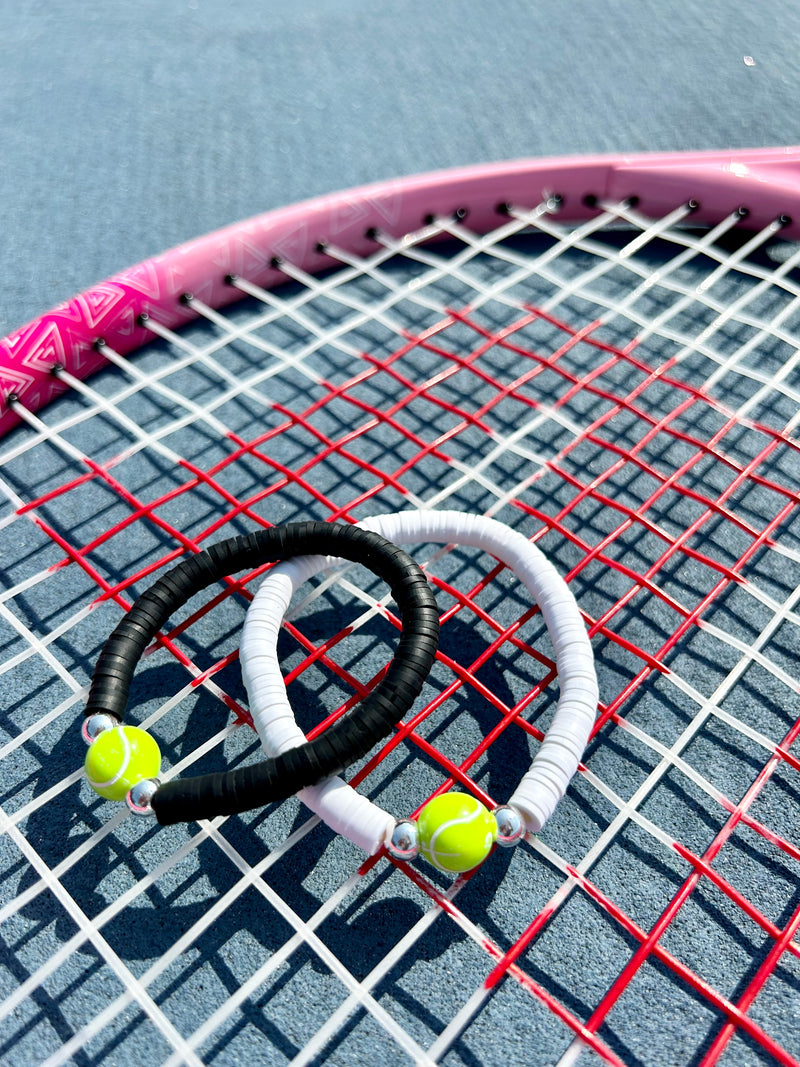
x,y
601,353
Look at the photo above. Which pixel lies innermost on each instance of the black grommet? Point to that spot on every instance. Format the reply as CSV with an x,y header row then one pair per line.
x,y
186,298
590,200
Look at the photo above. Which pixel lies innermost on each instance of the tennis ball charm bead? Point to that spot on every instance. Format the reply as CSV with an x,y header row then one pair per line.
x,y
456,832
119,759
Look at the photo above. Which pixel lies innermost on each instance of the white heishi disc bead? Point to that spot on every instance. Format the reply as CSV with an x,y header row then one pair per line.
x,y
353,815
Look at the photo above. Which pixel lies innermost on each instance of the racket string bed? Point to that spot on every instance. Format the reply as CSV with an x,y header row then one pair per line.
x,y
624,391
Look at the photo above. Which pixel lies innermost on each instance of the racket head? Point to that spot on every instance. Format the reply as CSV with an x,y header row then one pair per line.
x,y
654,461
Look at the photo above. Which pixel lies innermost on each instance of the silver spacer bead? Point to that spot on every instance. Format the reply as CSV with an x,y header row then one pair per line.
x,y
95,725
140,796
510,826
403,842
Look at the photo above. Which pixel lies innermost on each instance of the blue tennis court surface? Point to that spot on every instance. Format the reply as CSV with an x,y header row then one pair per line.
x,y
127,129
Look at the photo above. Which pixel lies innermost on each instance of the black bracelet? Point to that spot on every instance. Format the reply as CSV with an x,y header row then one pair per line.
x,y
119,763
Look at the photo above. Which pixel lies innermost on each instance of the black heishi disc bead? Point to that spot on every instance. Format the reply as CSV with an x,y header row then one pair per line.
x,y
348,739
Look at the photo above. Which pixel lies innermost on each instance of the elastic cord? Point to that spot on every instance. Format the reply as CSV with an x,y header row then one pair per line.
x,y
347,740
556,760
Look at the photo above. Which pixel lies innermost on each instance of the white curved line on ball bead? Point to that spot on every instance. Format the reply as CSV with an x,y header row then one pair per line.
x,y
344,809
126,758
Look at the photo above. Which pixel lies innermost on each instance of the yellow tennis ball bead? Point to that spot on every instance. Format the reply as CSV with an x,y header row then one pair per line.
x,y
117,759
456,832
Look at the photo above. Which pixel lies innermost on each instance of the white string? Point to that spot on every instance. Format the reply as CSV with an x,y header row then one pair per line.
x,y
556,761
524,440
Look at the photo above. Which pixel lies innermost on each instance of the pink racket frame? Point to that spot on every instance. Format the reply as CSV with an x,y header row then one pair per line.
x,y
766,181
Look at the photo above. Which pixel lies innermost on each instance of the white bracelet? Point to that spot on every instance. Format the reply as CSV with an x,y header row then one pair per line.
x,y
453,828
